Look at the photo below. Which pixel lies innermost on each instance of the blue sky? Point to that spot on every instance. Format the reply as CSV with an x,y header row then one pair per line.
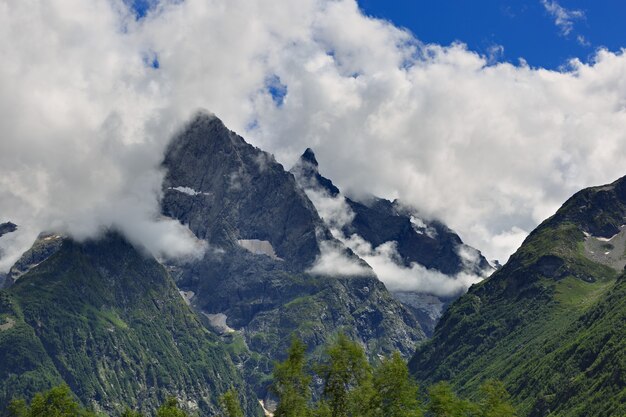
x,y
524,29
506,29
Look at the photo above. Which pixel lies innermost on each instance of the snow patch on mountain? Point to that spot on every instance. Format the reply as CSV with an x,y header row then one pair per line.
x,y
258,247
188,191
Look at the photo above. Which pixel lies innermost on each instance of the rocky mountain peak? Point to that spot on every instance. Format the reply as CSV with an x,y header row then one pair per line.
x,y
306,172
229,191
7,227
309,156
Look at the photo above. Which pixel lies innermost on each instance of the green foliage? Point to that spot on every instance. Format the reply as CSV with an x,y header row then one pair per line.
x,y
170,409
351,388
443,402
110,322
56,402
291,383
346,374
131,413
551,324
230,404
495,400
384,391
395,392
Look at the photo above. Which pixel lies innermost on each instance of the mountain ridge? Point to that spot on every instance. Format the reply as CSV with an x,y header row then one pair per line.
x,y
379,223
526,324
110,323
265,238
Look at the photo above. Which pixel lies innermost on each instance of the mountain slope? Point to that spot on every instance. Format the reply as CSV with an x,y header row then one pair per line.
x,y
111,324
379,228
550,323
265,236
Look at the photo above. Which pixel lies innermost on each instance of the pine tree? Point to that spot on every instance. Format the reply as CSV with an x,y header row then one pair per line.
x,y
395,392
443,402
230,404
131,413
56,402
346,374
170,409
291,383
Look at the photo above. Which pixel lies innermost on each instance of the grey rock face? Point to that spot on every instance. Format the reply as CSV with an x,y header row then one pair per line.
x,y
45,246
264,235
232,191
7,227
377,221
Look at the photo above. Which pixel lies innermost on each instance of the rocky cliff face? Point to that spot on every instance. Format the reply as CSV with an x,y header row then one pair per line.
x,y
111,324
45,246
265,236
376,227
227,190
5,228
551,323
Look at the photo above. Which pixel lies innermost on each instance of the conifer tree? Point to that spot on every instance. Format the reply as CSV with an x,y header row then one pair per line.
x,y
230,404
395,392
170,409
346,376
291,383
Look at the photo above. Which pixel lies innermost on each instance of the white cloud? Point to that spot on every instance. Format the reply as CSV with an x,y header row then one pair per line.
x,y
334,260
385,261
564,18
489,149
335,211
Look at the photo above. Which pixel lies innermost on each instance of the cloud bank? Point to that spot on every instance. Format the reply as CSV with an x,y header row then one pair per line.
x,y
89,97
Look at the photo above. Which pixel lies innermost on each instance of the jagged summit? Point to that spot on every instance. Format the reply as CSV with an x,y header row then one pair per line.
x,y
265,235
427,242
306,171
7,227
309,156
227,190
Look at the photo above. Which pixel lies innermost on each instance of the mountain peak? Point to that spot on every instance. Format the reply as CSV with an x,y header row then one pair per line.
x,y
7,227
307,173
309,156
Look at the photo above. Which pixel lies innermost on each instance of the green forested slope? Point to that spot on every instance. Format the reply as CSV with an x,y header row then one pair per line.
x,y
110,323
551,322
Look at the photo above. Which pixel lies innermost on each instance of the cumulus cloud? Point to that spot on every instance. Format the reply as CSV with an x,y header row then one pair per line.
x,y
564,18
489,149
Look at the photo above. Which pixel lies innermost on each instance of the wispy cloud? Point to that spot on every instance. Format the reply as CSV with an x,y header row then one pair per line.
x,y
384,259
564,18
